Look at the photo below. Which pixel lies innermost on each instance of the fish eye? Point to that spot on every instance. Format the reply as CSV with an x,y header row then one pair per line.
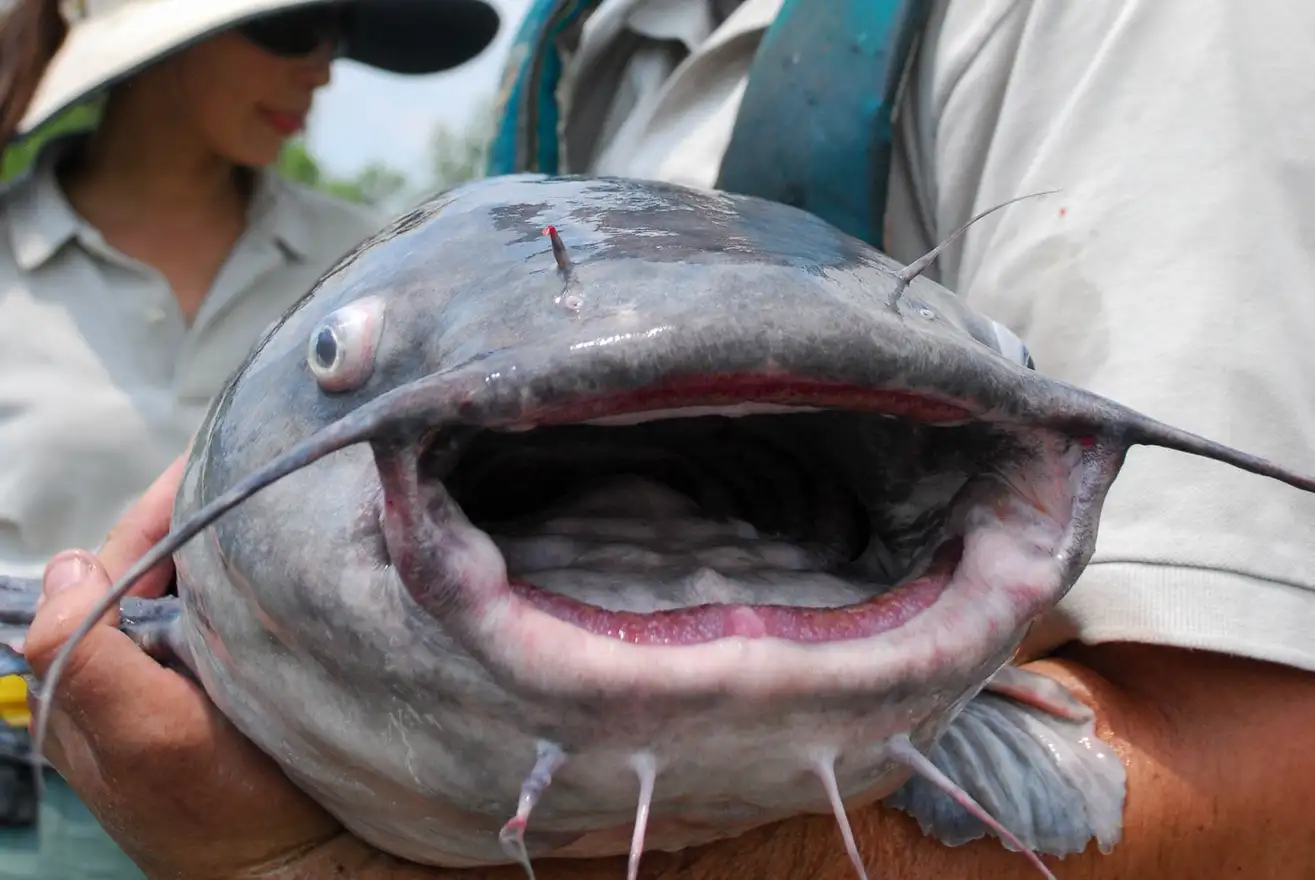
x,y
1012,347
341,350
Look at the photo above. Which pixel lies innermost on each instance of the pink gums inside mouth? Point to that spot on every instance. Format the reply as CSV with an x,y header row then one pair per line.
x,y
706,623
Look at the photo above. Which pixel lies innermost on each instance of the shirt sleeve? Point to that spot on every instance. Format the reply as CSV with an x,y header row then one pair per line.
x,y
1173,272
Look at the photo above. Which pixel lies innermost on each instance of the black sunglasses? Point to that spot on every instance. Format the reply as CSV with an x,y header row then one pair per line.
x,y
297,32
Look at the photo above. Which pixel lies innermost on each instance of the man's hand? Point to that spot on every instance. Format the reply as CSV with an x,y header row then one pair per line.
x,y
181,790
171,780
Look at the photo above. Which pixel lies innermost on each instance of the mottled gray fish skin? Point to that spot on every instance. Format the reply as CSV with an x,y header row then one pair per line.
x,y
355,619
400,725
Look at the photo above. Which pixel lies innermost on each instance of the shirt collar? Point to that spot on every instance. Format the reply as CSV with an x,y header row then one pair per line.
x,y
42,221
278,213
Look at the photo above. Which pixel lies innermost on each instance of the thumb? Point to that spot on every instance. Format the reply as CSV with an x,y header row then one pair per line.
x,y
73,582
68,569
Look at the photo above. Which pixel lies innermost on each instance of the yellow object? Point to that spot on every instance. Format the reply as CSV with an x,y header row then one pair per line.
x,y
13,701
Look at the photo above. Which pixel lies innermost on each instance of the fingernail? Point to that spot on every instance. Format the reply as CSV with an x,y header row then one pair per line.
x,y
65,571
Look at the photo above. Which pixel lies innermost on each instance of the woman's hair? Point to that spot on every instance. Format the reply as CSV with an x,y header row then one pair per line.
x,y
30,34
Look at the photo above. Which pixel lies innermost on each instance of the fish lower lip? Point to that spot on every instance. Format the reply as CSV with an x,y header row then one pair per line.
x,y
703,623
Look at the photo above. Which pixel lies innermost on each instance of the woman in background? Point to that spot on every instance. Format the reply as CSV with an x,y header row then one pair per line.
x,y
140,261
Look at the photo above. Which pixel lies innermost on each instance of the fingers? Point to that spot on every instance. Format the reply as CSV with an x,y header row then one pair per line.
x,y
105,664
180,789
73,583
68,752
145,523
81,579
158,765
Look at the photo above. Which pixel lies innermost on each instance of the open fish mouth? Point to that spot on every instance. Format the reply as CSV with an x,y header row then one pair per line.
x,y
748,508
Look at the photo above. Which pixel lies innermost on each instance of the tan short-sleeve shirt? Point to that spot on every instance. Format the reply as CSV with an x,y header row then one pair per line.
x,y
102,382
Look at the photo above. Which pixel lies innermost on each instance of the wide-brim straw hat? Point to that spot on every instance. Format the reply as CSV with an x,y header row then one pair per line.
x,y
108,41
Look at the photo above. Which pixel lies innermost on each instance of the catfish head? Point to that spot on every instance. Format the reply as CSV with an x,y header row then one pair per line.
x,y
570,517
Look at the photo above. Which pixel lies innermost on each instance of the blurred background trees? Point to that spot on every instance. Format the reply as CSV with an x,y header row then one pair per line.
x,y
15,160
453,157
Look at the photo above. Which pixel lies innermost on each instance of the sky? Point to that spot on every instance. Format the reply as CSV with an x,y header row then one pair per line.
x,y
365,115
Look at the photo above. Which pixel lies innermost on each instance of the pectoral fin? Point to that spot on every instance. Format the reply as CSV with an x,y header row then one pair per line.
x,y
1026,750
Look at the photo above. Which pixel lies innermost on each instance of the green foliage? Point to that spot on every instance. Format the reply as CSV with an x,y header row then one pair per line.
x,y
456,157
296,163
16,159
373,185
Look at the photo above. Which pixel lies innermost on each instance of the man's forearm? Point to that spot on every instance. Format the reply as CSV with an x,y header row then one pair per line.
x,y
1219,783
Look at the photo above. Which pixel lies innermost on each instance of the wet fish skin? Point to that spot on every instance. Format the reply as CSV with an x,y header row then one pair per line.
x,y
354,625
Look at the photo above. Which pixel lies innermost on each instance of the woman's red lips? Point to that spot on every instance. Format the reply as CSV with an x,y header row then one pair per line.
x,y
284,123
